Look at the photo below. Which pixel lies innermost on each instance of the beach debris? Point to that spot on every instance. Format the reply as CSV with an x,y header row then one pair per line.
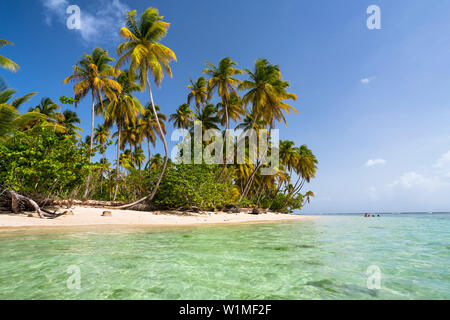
x,y
107,214
156,213
236,209
33,215
17,198
69,213
255,211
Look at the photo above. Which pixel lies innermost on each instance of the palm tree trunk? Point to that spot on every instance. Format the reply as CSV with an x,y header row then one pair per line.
x,y
166,158
92,144
118,162
228,127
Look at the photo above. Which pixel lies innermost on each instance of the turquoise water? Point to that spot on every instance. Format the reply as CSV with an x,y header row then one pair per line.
x,y
322,259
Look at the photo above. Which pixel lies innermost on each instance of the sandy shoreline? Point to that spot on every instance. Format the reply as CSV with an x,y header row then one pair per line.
x,y
93,217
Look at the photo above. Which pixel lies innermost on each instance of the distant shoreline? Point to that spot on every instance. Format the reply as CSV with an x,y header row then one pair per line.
x,y
84,216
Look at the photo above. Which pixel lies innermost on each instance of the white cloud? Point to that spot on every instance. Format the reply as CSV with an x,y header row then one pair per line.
x,y
374,162
409,180
443,164
102,25
367,80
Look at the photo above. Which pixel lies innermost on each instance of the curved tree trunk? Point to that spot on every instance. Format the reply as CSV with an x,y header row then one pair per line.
x,y
92,144
119,127
228,127
166,158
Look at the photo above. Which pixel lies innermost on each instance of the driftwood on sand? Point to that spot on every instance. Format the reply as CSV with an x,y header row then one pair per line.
x,y
19,203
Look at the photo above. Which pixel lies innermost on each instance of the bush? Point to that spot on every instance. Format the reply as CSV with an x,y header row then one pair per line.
x,y
40,161
194,185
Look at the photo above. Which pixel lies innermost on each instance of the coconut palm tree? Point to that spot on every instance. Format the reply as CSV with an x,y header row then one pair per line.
x,y
5,62
69,119
47,107
234,109
183,117
199,93
148,126
142,48
102,135
138,157
122,111
208,117
10,118
308,196
93,73
267,94
222,80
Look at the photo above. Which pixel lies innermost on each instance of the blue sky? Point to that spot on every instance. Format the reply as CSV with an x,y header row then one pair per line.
x,y
374,104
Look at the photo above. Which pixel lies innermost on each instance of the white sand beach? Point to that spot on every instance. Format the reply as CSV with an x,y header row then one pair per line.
x,y
84,216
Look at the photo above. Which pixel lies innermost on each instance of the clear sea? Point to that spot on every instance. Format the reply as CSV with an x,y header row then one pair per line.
x,y
326,258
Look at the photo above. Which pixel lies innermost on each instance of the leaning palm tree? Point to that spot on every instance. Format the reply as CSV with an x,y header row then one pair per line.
x,y
142,48
94,74
148,127
5,62
123,111
266,94
199,93
10,118
222,80
183,117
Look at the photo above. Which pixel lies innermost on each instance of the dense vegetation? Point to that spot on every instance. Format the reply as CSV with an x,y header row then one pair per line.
x,y
42,154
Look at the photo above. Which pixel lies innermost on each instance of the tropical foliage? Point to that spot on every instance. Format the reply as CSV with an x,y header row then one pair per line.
x,y
42,150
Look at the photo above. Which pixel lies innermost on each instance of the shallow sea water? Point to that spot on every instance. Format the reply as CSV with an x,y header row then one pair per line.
x,y
326,258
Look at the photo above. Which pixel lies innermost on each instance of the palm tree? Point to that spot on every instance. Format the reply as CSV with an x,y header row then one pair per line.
x,y
183,117
138,157
306,169
5,62
102,135
146,54
208,117
222,80
122,111
93,73
199,92
288,154
267,93
148,126
47,107
69,120
10,118
308,196
234,109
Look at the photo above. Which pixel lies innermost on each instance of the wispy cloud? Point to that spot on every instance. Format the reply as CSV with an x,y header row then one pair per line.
x,y
411,179
367,80
443,164
97,25
375,162
437,176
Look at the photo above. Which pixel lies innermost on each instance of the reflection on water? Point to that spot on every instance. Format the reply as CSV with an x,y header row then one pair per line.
x,y
322,259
